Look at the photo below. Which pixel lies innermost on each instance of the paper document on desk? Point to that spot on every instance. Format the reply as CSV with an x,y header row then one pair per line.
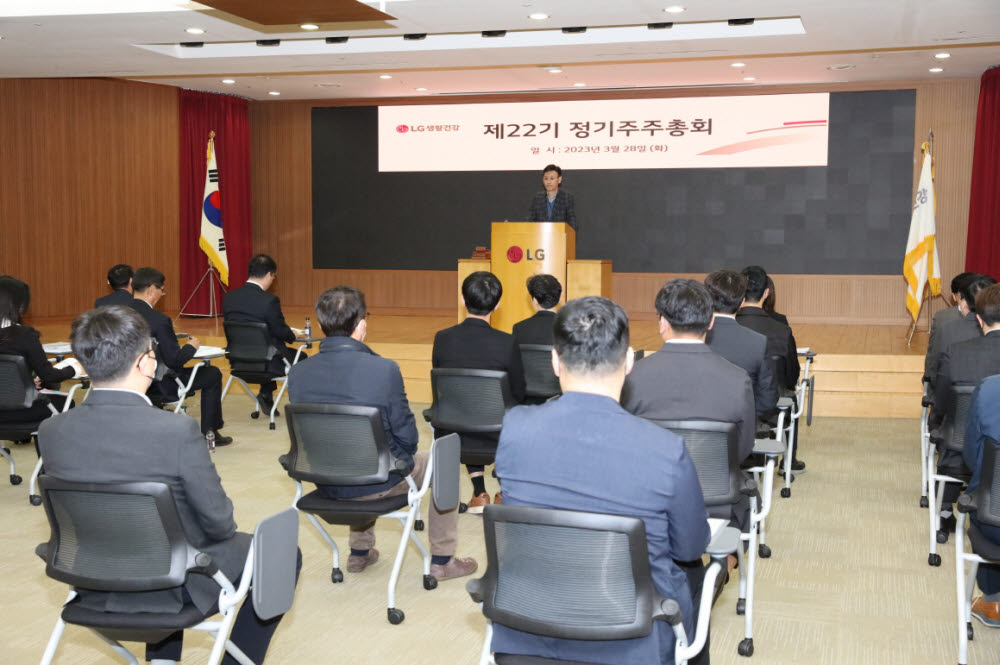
x,y
715,525
205,351
803,350
57,348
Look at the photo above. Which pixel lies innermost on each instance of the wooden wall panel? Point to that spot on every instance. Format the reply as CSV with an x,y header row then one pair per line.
x,y
283,212
88,178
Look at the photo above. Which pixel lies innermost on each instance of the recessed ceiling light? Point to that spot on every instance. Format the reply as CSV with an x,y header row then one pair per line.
x,y
942,56
839,68
579,85
553,70
935,70
538,16
229,81
749,78
309,26
738,64
274,92
673,9
195,31
385,76
421,89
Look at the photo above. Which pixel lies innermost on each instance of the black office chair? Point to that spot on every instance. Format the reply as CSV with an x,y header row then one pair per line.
x,y
250,350
950,438
541,383
714,450
581,576
986,504
18,391
341,445
127,537
167,390
791,404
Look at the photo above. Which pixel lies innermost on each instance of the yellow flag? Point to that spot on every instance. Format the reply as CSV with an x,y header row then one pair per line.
x,y
921,265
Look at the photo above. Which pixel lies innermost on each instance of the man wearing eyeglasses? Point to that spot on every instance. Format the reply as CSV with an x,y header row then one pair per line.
x,y
148,288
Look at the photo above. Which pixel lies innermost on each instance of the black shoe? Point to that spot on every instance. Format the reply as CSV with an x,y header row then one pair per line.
x,y
221,440
266,402
948,524
798,465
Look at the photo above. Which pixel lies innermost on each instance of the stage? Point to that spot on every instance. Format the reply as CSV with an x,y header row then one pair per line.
x,y
861,370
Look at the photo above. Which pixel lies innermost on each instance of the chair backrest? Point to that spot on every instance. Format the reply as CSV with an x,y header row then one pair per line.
x,y
567,574
116,536
469,401
248,345
988,493
337,444
17,388
957,416
275,551
539,379
714,448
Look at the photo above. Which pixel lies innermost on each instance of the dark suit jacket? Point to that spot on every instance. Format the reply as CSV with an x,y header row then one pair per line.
x,y
563,208
780,341
116,297
959,330
745,348
966,363
171,354
25,341
536,329
252,303
984,421
346,371
116,436
780,318
941,319
691,382
584,452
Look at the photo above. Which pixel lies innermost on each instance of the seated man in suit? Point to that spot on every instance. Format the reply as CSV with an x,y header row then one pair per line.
x,y
346,371
617,464
252,302
553,205
780,340
965,363
120,279
147,284
115,436
473,344
984,421
545,291
738,344
686,380
959,330
944,317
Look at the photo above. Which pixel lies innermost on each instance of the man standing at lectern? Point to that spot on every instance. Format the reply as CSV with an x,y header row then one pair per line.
x,y
553,205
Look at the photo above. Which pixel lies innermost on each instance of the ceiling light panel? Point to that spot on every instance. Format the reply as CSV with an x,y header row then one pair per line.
x,y
464,41
19,8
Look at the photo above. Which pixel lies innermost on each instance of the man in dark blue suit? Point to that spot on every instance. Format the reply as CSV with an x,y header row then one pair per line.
x,y
583,451
984,421
346,371
553,205
120,279
148,284
252,302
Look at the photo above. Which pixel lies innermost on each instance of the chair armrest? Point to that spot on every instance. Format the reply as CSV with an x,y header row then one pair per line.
x,y
725,542
475,589
785,403
966,503
768,447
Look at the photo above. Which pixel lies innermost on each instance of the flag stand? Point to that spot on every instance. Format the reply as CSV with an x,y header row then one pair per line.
x,y
213,277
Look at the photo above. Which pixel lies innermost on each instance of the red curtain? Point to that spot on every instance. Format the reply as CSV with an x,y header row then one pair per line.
x,y
982,252
201,113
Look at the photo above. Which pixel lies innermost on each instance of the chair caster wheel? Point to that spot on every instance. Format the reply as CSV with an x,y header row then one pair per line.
x,y
255,415
942,537
15,479
746,647
271,426
395,616
764,551
337,576
934,559
35,500
741,606
430,582
968,630
418,525
786,492
463,507
923,502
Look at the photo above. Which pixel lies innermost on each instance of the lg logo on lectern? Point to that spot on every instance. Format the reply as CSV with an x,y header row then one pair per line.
x,y
515,254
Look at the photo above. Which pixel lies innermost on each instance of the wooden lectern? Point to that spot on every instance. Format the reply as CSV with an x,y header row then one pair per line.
x,y
523,249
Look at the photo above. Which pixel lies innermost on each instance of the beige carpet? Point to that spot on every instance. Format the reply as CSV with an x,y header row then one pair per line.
x,y
848,581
